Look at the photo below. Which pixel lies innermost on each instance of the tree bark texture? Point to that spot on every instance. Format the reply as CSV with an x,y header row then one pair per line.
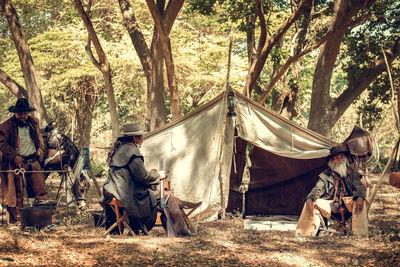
x,y
26,61
325,111
103,65
86,100
169,61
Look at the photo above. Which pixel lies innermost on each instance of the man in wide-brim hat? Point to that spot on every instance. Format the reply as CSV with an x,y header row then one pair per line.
x,y
130,183
339,194
22,148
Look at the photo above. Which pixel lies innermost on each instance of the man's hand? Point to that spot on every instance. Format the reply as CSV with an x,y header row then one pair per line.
x,y
359,203
18,160
40,153
310,204
163,175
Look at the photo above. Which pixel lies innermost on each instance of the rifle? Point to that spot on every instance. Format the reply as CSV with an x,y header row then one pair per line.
x,y
164,207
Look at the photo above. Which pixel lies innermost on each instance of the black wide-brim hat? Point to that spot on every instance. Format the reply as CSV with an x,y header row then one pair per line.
x,y
341,148
22,105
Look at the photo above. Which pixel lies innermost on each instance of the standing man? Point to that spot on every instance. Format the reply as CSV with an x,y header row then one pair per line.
x,y
22,147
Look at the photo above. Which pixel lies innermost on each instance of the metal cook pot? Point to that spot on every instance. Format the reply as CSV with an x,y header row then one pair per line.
x,y
36,216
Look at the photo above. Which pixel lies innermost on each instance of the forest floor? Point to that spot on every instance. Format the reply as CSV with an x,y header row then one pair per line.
x,y
76,242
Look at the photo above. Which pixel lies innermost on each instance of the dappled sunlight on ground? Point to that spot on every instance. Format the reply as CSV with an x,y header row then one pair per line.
x,y
76,242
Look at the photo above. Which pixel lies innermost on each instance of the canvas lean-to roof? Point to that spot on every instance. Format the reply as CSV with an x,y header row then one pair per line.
x,y
205,153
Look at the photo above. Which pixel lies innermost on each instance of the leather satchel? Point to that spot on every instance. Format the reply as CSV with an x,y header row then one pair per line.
x,y
394,178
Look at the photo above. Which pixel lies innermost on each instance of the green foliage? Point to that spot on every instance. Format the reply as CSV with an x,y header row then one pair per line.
x,y
37,16
99,168
199,42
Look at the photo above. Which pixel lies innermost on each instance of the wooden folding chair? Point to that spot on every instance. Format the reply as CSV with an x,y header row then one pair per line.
x,y
115,205
186,216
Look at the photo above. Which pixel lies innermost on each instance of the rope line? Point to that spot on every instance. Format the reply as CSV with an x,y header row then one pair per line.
x,y
22,170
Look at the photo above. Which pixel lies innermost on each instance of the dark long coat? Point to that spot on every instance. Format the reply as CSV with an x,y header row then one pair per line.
x,y
12,188
325,187
130,182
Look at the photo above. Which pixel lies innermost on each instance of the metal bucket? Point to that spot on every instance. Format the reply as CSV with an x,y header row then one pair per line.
x,y
36,216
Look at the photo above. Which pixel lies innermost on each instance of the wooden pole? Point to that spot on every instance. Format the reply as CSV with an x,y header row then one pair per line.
x,y
222,146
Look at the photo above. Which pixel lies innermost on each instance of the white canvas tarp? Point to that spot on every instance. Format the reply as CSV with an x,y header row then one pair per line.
x,y
191,148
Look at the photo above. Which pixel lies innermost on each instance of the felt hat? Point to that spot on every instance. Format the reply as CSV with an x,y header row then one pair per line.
x,y
132,129
22,105
342,148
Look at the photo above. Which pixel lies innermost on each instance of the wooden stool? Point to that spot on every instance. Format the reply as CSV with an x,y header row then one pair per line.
x,y
186,216
115,205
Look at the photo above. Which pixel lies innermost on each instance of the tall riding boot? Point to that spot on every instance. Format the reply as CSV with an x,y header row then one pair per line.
x,y
12,215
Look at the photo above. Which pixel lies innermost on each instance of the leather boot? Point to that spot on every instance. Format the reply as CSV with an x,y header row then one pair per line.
x,y
12,215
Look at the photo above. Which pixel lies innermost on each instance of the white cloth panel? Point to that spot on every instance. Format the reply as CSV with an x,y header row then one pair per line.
x,y
191,150
272,133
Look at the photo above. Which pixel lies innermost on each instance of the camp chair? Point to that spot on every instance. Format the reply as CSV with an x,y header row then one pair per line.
x,y
115,205
186,216
186,211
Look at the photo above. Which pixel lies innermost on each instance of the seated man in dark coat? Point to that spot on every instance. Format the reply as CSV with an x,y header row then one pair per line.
x,y
135,187
338,194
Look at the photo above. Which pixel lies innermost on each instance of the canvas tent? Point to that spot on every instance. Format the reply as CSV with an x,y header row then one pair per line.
x,y
205,153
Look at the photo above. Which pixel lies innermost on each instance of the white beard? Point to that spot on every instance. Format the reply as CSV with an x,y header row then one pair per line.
x,y
340,168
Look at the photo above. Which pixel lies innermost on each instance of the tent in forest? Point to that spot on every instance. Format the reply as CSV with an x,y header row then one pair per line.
x,y
232,143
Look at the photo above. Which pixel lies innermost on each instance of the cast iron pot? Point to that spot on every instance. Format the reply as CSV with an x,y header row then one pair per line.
x,y
36,216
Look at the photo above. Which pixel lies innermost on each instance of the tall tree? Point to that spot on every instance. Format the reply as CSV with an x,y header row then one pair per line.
x,y
325,109
152,59
169,61
26,62
103,65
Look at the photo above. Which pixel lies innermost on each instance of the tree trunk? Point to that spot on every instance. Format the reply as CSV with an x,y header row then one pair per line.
x,y
324,110
84,110
103,66
152,59
169,62
156,110
26,61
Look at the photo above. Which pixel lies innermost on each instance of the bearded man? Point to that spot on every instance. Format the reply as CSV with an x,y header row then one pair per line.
x,y
339,194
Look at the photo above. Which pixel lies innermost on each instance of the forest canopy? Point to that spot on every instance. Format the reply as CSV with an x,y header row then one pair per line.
x,y
279,49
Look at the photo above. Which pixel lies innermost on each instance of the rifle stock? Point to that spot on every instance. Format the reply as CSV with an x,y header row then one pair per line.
x,y
164,207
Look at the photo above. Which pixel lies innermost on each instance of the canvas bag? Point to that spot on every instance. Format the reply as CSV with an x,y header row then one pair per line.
x,y
394,178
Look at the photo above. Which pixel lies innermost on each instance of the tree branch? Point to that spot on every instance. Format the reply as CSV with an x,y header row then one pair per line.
x,y
90,53
296,57
359,84
259,62
14,87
